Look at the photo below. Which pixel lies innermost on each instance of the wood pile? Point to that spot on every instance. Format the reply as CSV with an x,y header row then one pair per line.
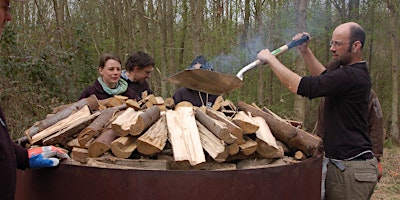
x,y
156,134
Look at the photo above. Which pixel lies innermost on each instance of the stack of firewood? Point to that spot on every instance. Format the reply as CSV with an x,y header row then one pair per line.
x,y
154,133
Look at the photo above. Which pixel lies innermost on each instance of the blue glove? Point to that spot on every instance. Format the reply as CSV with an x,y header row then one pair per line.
x,y
40,157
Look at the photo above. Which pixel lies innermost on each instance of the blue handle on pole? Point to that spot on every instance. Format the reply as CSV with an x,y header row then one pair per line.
x,y
297,42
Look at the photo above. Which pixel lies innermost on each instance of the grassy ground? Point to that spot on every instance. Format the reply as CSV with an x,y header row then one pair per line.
x,y
389,186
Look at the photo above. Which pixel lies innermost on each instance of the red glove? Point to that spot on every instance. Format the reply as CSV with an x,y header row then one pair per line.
x,y
380,171
40,157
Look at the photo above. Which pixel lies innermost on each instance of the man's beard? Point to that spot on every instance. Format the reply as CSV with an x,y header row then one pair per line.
x,y
333,65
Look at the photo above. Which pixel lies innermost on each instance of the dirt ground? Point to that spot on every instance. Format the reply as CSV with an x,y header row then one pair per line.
x,y
389,186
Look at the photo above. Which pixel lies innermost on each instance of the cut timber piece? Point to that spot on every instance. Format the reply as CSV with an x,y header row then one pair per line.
x,y
102,143
232,127
213,145
249,147
122,124
78,115
144,95
264,133
233,149
218,128
144,120
183,104
156,100
123,147
74,143
267,151
98,124
116,100
217,103
169,103
131,103
91,102
62,136
285,132
79,154
154,139
299,155
118,163
245,122
184,135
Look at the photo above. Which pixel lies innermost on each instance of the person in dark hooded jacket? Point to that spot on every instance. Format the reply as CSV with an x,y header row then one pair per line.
x,y
195,97
12,155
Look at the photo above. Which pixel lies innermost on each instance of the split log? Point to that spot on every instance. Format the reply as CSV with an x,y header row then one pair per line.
x,y
62,124
93,129
267,151
212,145
122,124
285,132
74,143
217,103
102,143
144,120
154,139
264,132
62,136
116,100
118,163
249,147
218,128
123,147
79,154
245,122
131,103
232,127
184,135
91,102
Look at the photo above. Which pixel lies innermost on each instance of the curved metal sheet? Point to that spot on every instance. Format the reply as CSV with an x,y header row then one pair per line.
x,y
211,82
300,181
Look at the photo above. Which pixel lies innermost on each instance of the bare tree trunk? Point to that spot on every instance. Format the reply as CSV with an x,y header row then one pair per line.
x,y
143,26
170,51
354,10
262,70
300,102
394,41
196,8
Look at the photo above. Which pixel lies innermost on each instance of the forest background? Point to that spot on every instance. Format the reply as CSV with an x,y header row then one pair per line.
x,y
49,51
